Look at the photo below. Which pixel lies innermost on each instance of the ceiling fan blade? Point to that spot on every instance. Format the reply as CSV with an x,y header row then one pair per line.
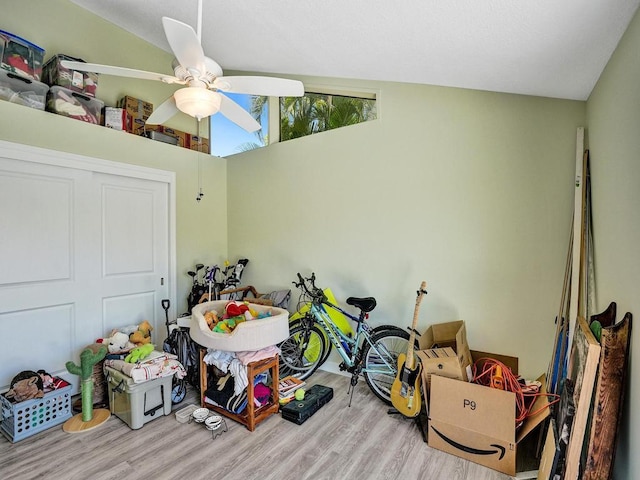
x,y
238,115
164,112
268,86
185,45
119,71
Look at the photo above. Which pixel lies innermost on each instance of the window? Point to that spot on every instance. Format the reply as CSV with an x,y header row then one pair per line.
x,y
318,111
226,138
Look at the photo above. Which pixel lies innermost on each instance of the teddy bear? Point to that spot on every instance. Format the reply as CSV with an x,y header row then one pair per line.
x,y
143,335
118,342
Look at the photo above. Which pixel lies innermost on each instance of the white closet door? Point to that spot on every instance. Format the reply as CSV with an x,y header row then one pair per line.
x,y
133,252
80,253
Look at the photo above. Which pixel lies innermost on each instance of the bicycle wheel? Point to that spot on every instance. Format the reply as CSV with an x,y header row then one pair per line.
x,y
308,319
380,360
384,328
302,352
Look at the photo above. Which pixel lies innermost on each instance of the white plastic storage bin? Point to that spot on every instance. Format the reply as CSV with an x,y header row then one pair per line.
x,y
20,56
76,105
53,73
138,403
22,90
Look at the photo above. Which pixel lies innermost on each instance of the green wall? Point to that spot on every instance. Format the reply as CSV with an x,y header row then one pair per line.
x,y
613,113
471,191
201,227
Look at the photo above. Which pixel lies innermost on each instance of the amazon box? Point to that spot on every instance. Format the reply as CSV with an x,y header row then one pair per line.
x,y
444,351
478,423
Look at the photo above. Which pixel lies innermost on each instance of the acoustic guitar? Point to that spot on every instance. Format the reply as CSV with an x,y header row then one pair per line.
x,y
405,391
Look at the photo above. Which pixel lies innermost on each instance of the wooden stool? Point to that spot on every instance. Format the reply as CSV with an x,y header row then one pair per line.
x,y
251,415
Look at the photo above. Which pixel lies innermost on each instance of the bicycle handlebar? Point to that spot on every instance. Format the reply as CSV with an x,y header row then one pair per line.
x,y
308,286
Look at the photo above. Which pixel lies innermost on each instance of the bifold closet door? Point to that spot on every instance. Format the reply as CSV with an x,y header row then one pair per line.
x,y
80,253
134,247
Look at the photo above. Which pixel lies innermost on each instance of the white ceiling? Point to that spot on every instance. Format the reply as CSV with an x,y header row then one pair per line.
x,y
550,48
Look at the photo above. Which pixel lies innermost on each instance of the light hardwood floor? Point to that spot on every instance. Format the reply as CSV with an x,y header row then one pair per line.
x,y
338,442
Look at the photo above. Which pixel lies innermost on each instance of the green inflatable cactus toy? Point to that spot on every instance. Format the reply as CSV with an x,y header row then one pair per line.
x,y
87,360
89,418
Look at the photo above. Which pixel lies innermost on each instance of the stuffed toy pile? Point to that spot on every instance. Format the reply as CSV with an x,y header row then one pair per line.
x,y
123,340
234,314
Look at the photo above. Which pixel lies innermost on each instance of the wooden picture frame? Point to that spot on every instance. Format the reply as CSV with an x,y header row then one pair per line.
x,y
583,367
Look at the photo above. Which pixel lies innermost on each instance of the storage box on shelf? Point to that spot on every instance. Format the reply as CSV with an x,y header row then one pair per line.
x,y
199,143
161,137
155,132
183,137
20,56
138,403
116,118
53,73
138,111
72,104
21,420
22,90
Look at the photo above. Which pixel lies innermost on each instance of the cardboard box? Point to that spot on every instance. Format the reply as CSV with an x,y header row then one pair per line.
x,y
138,112
183,137
437,359
478,423
116,118
135,107
199,143
136,126
161,137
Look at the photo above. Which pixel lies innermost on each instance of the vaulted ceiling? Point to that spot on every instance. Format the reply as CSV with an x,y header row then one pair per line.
x,y
546,48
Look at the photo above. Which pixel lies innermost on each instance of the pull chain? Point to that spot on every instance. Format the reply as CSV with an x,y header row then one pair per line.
x,y
200,193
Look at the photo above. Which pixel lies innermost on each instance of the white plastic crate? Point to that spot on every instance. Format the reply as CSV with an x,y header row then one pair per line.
x,y
21,420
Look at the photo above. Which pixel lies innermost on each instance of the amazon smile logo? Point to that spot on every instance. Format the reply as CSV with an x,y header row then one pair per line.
x,y
499,449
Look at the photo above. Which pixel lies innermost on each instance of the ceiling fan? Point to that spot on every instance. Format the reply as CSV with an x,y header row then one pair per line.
x,y
202,78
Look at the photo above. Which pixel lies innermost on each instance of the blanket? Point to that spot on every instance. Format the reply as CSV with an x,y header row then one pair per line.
x,y
156,365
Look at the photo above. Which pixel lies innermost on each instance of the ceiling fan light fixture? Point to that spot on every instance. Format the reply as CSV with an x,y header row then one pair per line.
x,y
197,102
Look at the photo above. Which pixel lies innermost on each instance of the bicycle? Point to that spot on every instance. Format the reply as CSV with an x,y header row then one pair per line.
x,y
304,315
225,289
371,352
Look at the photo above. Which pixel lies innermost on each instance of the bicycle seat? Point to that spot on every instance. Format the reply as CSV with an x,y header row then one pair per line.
x,y
365,304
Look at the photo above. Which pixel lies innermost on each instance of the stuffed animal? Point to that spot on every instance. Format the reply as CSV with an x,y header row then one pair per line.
x,y
234,309
25,386
48,382
143,335
118,342
139,353
211,317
